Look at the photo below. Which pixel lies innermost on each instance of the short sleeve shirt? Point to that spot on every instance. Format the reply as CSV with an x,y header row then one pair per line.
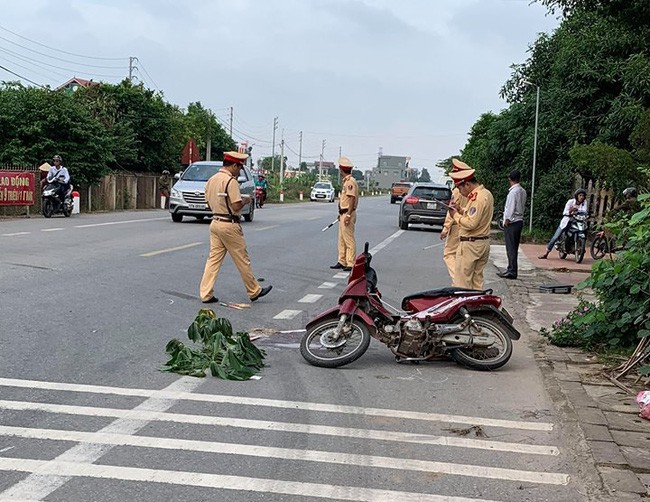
x,y
215,192
477,218
349,193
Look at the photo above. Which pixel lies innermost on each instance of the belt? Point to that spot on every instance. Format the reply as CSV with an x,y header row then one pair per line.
x,y
472,239
229,220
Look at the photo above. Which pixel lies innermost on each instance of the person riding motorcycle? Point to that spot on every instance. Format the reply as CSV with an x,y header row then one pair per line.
x,y
578,204
60,174
260,182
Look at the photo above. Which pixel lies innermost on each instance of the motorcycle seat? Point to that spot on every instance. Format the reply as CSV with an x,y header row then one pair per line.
x,y
449,291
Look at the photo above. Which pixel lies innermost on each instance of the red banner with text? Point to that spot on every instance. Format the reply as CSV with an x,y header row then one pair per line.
x,y
16,188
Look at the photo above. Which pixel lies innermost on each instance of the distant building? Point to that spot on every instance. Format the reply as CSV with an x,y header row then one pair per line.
x,y
75,83
390,168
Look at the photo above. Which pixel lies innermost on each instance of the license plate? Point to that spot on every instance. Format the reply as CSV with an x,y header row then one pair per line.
x,y
432,205
320,196
197,206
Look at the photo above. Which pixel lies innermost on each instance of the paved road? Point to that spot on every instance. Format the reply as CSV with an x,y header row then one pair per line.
x,y
88,304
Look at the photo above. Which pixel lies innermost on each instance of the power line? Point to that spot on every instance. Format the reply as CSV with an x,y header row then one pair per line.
x,y
21,77
147,73
20,58
58,59
60,50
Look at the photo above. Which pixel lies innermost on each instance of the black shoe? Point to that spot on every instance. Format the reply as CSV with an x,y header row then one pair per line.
x,y
211,300
338,265
507,275
347,269
264,292
503,274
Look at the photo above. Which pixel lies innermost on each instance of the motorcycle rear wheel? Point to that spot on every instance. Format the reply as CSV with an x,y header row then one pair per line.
x,y
349,351
483,358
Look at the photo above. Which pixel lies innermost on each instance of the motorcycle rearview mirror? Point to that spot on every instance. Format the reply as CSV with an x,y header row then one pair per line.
x,y
365,248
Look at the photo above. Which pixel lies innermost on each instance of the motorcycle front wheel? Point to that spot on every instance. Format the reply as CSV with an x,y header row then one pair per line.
x,y
48,208
579,249
320,348
486,358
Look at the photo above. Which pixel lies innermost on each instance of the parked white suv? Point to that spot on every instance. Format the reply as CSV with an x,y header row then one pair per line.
x,y
322,190
187,197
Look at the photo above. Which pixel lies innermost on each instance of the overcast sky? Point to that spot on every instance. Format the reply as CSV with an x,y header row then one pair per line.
x,y
408,76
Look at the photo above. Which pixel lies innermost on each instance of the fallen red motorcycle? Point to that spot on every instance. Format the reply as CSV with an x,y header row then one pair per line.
x,y
470,326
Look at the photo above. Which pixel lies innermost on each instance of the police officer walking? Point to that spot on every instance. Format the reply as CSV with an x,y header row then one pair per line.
x,y
474,222
226,236
449,231
348,201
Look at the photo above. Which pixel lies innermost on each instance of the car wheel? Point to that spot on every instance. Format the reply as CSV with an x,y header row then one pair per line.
x,y
403,224
177,218
250,215
392,200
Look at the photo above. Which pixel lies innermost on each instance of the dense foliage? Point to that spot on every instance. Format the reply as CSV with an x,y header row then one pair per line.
x,y
593,75
622,286
102,128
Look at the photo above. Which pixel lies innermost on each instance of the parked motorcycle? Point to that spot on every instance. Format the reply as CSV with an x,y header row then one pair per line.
x,y
470,326
50,202
574,238
259,196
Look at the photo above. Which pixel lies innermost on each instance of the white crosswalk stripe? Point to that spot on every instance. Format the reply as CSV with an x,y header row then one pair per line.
x,y
81,461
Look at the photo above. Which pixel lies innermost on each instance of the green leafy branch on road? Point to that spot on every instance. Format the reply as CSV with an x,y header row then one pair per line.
x,y
621,316
228,356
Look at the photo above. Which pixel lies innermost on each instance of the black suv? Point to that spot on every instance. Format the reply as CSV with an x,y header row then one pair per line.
x,y
424,204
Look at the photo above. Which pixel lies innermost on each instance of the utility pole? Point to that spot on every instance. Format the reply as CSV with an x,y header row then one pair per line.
x,y
320,168
339,171
282,159
231,110
132,59
275,126
300,152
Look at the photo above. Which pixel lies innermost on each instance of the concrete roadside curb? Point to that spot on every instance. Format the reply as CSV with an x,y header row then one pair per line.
x,y
609,441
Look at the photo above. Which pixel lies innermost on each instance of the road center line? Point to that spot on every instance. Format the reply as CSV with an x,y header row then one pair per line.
x,y
118,222
169,250
276,403
266,228
39,486
51,229
349,459
386,242
16,233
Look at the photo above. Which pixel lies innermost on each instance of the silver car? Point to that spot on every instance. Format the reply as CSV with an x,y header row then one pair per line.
x,y
187,197
322,190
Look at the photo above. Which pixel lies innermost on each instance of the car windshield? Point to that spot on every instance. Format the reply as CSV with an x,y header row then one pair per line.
x,y
200,172
323,185
432,193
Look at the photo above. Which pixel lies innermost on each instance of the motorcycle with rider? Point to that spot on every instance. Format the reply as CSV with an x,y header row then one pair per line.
x,y
56,197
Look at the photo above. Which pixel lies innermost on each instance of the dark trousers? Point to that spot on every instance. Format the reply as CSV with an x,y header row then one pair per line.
x,y
513,237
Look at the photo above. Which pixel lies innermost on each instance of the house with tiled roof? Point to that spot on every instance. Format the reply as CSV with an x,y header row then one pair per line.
x,y
75,83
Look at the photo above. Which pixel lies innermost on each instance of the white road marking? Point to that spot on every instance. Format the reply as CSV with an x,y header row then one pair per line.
x,y
15,233
311,218
169,250
386,242
268,425
341,275
216,481
37,486
287,314
310,298
51,229
266,228
276,403
7,449
434,245
118,222
327,285
293,331
351,459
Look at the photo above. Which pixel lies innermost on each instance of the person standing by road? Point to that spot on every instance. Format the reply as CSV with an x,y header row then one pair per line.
x,y
348,200
474,222
164,186
226,236
449,231
513,223
578,204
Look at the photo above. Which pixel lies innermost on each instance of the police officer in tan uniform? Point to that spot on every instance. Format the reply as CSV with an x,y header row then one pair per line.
x,y
474,222
450,229
226,236
348,200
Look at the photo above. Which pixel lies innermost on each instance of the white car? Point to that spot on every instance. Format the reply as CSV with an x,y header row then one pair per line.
x,y
323,190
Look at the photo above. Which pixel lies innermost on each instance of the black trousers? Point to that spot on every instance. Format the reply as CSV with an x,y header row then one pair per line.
x,y
513,237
